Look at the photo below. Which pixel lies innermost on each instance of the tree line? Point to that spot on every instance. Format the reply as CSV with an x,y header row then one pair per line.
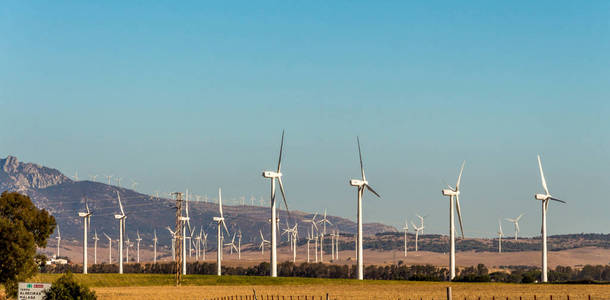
x,y
400,271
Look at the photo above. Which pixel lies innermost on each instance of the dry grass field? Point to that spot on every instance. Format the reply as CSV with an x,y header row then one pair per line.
x,y
142,286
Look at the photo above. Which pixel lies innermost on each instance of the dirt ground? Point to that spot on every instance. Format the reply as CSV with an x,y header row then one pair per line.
x,y
571,257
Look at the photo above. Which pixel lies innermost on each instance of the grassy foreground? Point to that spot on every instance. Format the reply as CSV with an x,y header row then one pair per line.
x,y
160,286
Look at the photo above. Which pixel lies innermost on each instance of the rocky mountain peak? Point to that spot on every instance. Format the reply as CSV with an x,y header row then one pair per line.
x,y
22,177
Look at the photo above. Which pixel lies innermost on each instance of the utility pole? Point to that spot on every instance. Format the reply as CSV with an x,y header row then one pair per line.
x,y
179,236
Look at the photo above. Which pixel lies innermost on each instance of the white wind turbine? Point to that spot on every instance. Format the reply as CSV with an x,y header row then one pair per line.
x,y
323,221
406,229
109,248
86,221
417,231
309,239
545,198
198,245
173,234
121,219
273,176
454,193
138,240
239,244
127,245
205,243
220,221
500,235
185,221
263,242
362,184
232,245
155,247
95,239
58,238
337,235
332,244
515,221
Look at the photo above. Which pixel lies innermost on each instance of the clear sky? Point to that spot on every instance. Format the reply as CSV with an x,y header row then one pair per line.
x,y
195,95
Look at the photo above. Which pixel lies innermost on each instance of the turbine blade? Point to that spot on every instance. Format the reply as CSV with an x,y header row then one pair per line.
x,y
360,155
519,217
546,189
220,202
457,185
372,191
279,162
555,199
120,205
225,225
517,227
457,202
279,179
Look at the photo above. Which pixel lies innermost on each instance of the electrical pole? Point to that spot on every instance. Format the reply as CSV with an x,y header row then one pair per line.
x,y
179,236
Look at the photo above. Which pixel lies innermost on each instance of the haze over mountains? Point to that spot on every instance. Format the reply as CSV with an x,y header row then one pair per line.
x,y
64,197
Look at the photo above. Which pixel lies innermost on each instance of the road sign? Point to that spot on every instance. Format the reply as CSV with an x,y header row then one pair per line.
x,y
32,290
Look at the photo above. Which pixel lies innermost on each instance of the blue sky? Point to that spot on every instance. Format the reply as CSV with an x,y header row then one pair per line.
x,y
195,95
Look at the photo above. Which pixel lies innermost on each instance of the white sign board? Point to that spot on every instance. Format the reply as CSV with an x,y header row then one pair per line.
x,y
32,291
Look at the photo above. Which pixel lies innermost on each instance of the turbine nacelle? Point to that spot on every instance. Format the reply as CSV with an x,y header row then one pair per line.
x,y
271,174
218,219
542,197
184,218
83,214
449,192
358,182
119,217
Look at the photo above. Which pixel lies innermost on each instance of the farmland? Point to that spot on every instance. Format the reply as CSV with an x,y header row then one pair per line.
x,y
157,286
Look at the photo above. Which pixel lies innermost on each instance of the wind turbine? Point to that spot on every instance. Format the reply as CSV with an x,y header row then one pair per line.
x,y
323,221
121,219
205,243
516,222
128,245
58,238
109,248
239,244
500,235
219,221
309,239
95,239
155,247
198,245
86,221
417,231
545,198
263,241
406,229
232,245
173,233
362,184
185,221
138,240
273,176
337,235
454,193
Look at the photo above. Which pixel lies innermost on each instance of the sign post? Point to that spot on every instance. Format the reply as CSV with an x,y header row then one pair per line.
x,y
32,290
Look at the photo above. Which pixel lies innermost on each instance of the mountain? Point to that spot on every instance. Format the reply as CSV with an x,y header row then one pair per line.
x,y
64,198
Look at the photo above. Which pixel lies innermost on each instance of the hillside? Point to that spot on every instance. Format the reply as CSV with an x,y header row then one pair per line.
x,y
63,198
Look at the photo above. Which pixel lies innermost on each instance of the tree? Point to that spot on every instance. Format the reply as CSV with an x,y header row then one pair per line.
x,y
23,227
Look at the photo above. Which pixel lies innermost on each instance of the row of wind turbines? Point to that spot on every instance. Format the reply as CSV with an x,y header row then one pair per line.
x,y
361,185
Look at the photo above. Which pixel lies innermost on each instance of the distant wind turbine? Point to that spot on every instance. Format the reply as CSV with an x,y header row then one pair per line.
x,y
220,221
515,221
86,221
500,235
109,248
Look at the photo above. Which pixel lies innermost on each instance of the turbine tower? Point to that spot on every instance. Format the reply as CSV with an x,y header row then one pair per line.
x,y
109,248
220,221
138,240
454,194
86,221
545,198
406,229
155,247
121,219
516,222
361,184
58,237
95,239
500,235
273,176
205,243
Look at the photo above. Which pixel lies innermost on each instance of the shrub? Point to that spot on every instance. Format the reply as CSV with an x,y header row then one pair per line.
x,y
65,287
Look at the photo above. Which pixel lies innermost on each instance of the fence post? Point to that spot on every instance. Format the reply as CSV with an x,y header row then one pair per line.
x,y
327,296
448,293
